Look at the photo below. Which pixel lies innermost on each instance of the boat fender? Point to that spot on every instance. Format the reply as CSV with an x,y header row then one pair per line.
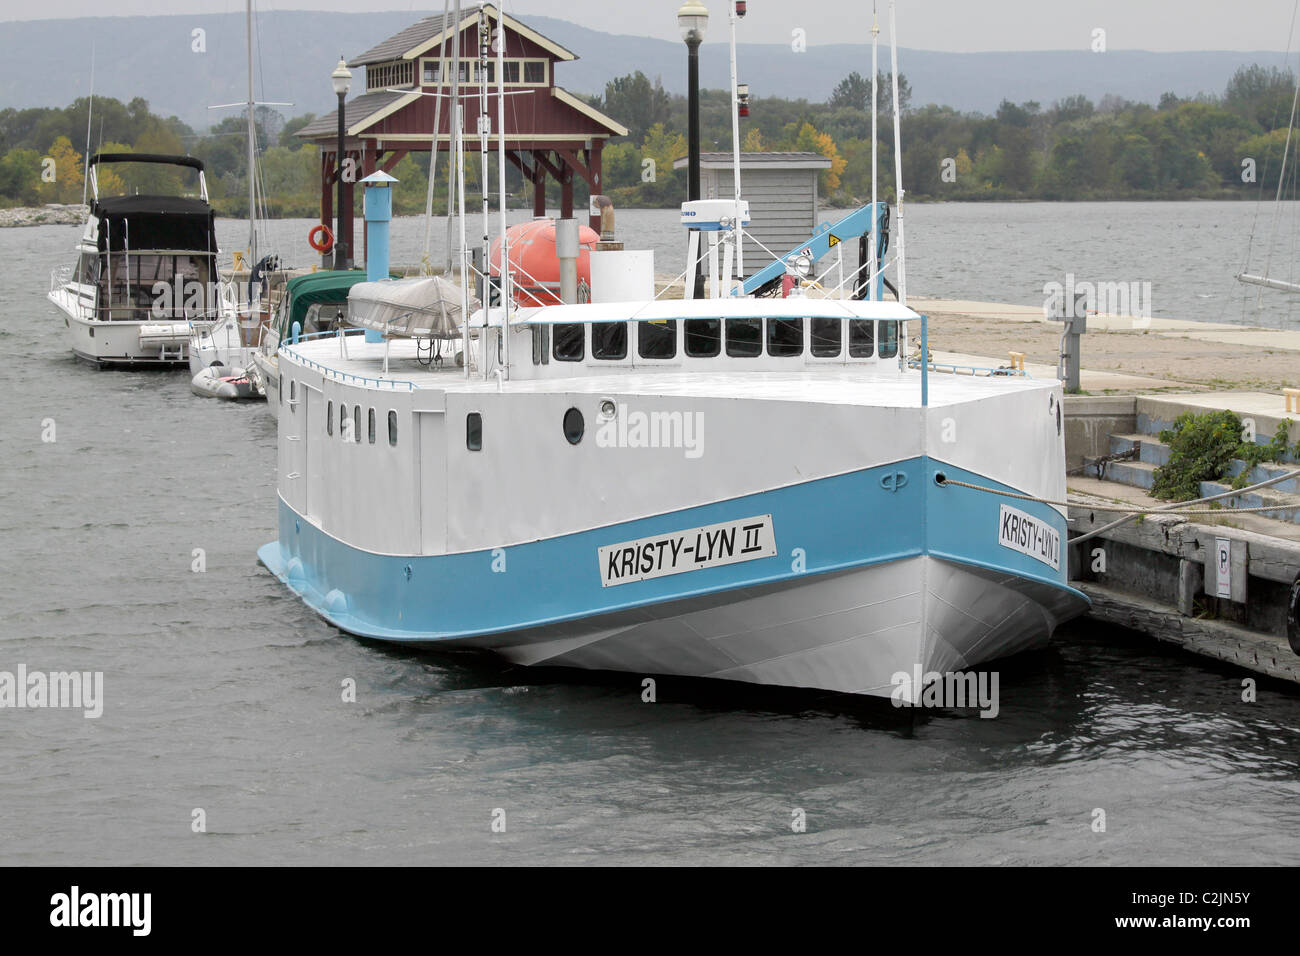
x,y
1293,617
321,238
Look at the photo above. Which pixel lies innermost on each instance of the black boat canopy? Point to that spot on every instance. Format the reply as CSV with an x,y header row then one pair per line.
x,y
193,162
143,223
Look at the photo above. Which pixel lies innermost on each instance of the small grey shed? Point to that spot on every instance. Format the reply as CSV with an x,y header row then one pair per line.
x,y
781,189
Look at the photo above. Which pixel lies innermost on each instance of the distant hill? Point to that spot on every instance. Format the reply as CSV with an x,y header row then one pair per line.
x,y
152,57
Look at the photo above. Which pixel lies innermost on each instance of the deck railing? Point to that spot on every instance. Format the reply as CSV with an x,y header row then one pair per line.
x,y
345,378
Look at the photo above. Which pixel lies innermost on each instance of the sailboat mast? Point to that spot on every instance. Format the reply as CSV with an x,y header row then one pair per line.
x,y
484,124
501,185
433,148
873,236
252,147
898,161
458,172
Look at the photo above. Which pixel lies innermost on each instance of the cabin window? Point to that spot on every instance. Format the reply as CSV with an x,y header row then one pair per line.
x,y
703,337
744,338
573,426
657,340
609,340
392,427
474,431
372,426
569,342
343,422
329,419
293,395
88,268
534,71
356,424
862,338
784,337
889,338
541,344
826,337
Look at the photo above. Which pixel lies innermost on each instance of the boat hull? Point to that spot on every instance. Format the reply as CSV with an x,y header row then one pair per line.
x,y
900,574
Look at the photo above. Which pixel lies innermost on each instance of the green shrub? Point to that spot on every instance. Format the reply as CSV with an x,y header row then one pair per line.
x,y
1201,449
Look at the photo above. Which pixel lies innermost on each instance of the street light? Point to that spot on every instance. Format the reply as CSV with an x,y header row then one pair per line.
x,y
693,20
342,80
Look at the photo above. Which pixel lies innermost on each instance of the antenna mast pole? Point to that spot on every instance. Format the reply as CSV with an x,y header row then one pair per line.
x,y
501,184
735,148
85,179
484,125
873,235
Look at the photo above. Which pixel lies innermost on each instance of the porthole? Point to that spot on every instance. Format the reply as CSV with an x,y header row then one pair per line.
x,y
474,431
343,421
372,426
573,426
329,418
392,427
356,424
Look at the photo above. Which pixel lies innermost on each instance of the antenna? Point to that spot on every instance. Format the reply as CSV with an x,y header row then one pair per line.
x,y
735,140
85,179
501,177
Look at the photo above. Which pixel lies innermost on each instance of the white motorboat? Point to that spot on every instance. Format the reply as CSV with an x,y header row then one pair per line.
x,y
146,272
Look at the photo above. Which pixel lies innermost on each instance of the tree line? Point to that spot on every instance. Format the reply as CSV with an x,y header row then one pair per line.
x,y
1205,147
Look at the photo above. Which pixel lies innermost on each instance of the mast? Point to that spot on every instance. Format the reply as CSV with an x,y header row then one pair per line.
x,y
484,124
90,113
872,236
501,184
735,145
464,241
433,149
898,162
252,148
456,175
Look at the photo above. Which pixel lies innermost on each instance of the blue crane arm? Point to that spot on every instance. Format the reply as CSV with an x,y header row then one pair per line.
x,y
824,238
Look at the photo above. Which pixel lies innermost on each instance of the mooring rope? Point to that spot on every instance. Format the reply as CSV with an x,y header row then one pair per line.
x,y
1130,510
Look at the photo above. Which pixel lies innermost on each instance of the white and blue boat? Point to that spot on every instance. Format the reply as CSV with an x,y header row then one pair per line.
x,y
747,488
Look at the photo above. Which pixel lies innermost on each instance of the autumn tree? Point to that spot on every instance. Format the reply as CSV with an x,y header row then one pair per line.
x,y
61,176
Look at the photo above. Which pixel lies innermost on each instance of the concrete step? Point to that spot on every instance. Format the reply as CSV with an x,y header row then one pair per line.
x,y
1158,412
1264,472
1153,451
1138,474
1257,499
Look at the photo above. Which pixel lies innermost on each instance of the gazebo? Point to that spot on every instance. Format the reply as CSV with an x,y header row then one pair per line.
x,y
549,131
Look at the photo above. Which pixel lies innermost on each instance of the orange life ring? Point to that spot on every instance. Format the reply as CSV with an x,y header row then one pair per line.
x,y
321,238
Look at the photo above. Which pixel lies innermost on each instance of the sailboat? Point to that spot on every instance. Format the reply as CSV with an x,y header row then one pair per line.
x,y
221,354
745,488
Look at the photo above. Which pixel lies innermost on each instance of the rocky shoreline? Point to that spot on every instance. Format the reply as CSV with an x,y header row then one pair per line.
x,y
53,214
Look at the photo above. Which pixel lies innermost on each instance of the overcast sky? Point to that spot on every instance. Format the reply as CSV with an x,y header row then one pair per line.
x,y
958,25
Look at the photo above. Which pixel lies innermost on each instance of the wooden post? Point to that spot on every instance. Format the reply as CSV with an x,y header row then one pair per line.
x,y
597,184
539,188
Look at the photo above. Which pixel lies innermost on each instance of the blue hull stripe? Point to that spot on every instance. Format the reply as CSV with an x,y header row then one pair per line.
x,y
863,518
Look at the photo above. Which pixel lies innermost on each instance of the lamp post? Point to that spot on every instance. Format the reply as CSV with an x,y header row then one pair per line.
x,y
342,80
693,20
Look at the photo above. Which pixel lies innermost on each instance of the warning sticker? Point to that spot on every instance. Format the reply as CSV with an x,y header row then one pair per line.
x,y
834,240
